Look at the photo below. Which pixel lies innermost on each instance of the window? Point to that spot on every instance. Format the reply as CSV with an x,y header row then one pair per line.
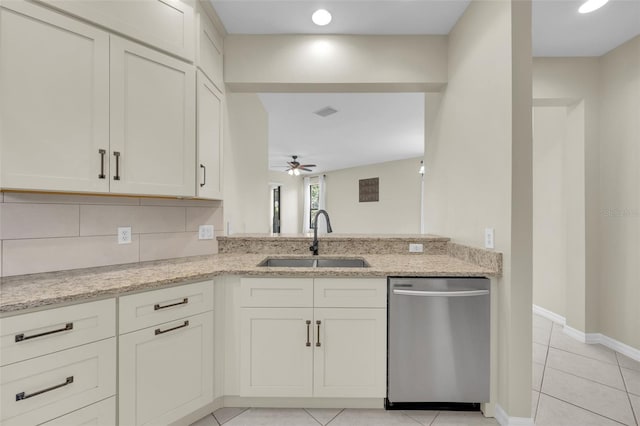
x,y
314,204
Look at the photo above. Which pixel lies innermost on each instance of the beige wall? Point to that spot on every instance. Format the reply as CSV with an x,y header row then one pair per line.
x,y
573,82
398,208
51,232
619,213
246,177
549,208
301,62
291,199
602,187
472,139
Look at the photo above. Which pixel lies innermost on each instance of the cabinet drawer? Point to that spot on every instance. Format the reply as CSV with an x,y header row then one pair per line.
x,y
350,293
155,307
39,333
276,292
43,388
101,413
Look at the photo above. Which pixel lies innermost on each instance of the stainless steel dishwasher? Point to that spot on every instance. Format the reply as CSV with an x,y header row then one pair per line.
x,y
438,343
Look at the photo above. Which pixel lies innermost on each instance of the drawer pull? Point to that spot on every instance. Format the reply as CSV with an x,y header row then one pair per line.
x,y
20,337
318,341
20,396
157,307
308,326
185,324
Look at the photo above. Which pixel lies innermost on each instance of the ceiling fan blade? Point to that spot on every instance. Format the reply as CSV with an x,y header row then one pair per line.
x,y
305,169
307,165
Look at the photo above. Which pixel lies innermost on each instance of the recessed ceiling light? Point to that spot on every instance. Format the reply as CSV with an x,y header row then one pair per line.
x,y
591,5
321,17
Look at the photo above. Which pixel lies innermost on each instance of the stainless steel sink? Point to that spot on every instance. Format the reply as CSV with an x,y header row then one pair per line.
x,y
288,262
342,263
322,262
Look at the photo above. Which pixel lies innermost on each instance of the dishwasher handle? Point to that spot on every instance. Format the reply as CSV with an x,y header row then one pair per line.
x,y
460,293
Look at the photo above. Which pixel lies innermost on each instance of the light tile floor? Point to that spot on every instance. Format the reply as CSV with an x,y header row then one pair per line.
x,y
574,384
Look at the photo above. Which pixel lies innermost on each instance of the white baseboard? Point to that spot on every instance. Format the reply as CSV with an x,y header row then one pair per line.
x,y
614,344
590,338
580,336
545,313
503,418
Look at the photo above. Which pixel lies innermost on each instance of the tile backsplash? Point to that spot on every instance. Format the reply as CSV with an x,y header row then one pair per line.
x,y
51,232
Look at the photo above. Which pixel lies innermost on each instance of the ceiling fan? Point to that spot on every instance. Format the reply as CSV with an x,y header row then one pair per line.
x,y
295,166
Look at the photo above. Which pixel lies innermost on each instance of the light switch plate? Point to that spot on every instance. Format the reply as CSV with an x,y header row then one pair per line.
x,y
124,235
205,232
416,248
489,238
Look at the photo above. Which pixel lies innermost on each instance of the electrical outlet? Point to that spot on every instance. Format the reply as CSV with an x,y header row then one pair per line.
x,y
416,248
205,232
124,235
489,238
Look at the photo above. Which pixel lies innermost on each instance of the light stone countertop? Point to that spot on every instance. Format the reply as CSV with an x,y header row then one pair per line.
x,y
39,290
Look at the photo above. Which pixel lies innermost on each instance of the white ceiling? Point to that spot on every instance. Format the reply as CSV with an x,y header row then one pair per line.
x,y
368,128
373,128
558,28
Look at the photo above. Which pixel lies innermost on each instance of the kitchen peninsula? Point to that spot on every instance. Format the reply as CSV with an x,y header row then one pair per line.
x,y
219,330
240,254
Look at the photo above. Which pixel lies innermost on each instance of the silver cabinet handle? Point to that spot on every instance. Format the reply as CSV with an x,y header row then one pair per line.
x,y
318,344
205,176
117,155
157,306
183,325
462,293
21,337
22,395
102,152
308,328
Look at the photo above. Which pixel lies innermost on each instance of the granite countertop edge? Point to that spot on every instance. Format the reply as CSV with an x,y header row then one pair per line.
x,y
29,292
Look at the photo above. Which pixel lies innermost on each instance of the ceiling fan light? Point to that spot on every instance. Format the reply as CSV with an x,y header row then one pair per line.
x,y
296,172
591,5
290,172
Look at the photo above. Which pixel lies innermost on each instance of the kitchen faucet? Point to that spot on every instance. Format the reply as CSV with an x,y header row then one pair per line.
x,y
314,246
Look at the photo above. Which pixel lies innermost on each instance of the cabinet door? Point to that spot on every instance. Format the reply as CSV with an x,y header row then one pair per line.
x,y
351,358
152,122
54,105
166,371
275,359
165,24
209,139
209,50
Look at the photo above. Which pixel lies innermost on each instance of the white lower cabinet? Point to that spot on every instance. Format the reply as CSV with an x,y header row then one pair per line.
x,y
332,351
349,359
166,371
277,352
37,390
101,413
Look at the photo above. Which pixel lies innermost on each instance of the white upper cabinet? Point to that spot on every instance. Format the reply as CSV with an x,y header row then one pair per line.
x,y
152,122
209,56
209,123
54,102
165,24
